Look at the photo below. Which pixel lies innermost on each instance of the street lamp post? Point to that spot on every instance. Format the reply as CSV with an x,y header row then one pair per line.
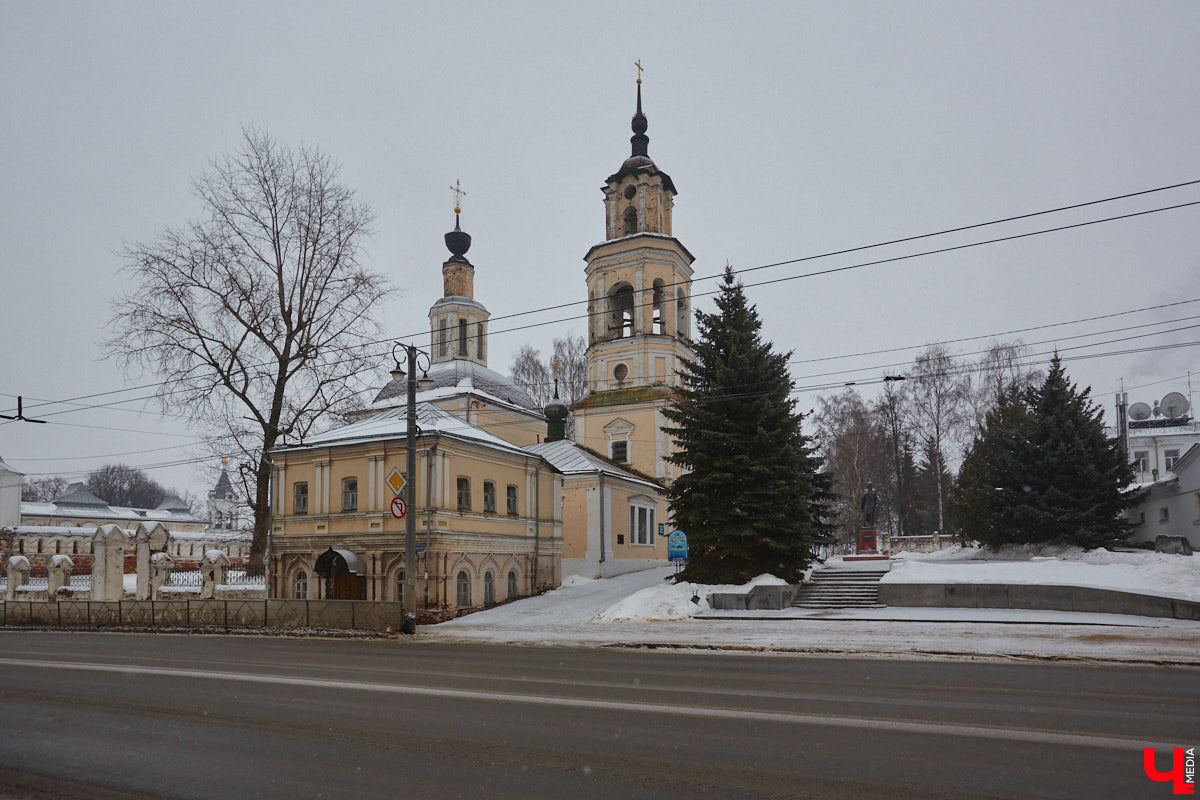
x,y
410,468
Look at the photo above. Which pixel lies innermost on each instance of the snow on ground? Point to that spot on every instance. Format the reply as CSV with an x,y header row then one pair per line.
x,y
642,609
1141,572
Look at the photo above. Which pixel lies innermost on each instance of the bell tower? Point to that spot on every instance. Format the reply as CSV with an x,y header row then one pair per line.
x,y
639,282
457,321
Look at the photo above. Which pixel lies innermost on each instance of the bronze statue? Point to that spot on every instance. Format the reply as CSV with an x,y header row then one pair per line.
x,y
867,506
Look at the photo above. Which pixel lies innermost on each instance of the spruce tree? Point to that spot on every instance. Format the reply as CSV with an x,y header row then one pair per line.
x,y
754,497
1044,471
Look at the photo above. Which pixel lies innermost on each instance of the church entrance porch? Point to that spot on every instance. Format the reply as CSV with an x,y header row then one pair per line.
x,y
343,574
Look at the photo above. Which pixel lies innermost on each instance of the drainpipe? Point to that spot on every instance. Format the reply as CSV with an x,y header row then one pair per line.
x,y
437,439
537,518
602,555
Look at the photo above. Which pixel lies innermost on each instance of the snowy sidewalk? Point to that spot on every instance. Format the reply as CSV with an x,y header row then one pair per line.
x,y
642,610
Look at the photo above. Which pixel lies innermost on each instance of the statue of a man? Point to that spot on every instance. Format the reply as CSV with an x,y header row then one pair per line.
x,y
867,506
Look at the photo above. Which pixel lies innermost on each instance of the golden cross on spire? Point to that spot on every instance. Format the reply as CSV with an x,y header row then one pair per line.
x,y
458,195
638,64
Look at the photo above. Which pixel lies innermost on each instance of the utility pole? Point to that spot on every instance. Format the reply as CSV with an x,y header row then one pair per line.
x,y
410,467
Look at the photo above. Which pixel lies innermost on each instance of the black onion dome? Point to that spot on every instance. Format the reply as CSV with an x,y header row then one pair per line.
x,y
639,160
458,241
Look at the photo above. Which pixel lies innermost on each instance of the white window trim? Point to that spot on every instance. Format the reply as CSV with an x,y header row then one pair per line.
x,y
650,509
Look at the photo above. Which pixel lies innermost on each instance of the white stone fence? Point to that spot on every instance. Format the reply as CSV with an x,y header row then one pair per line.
x,y
108,582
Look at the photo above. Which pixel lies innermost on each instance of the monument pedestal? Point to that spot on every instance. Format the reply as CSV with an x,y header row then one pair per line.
x,y
867,548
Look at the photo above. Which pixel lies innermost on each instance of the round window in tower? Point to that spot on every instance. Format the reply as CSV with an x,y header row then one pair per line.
x,y
620,372
630,191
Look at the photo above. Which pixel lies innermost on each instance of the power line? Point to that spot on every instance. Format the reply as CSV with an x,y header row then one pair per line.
x,y
776,264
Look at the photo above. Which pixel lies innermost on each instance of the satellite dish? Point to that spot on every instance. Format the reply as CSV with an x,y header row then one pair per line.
x,y
1139,411
1174,405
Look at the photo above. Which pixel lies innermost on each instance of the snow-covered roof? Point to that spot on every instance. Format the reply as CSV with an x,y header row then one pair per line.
x,y
571,459
6,468
79,507
459,376
392,424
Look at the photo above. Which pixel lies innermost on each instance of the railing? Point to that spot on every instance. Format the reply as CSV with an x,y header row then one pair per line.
x,y
252,576
187,578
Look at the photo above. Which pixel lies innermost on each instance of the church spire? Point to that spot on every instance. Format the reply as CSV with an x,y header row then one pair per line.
x,y
639,140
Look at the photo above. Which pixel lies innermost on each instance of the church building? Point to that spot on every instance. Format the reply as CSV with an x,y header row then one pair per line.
x,y
505,506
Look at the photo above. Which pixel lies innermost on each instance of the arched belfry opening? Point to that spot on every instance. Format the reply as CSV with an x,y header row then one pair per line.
x,y
659,311
630,222
681,313
620,311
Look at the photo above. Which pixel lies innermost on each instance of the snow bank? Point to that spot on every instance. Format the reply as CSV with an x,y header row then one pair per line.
x,y
673,601
1159,574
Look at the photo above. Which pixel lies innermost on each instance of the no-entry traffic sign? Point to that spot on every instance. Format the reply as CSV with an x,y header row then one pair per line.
x,y
399,509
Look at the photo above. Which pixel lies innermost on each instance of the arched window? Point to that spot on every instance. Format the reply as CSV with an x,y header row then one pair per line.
x,y
57,546
400,586
479,340
489,589
74,548
489,496
39,545
464,589
20,545
462,337
681,313
512,585
300,588
631,222
660,301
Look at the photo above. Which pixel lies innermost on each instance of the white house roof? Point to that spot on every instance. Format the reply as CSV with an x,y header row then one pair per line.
x,y
392,424
571,459
77,501
460,376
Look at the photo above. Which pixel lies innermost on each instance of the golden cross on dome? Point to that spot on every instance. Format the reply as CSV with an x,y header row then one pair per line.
x,y
458,195
638,64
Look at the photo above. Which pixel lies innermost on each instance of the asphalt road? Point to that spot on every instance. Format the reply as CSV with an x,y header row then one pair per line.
x,y
154,716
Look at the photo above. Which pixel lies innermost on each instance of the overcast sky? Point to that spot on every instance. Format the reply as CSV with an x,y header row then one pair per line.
x,y
790,129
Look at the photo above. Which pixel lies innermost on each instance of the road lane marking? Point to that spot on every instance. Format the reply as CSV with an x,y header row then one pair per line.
x,y
783,717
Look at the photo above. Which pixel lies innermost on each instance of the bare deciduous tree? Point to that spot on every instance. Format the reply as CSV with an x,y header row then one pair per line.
x,y
530,373
936,393
42,490
255,315
537,376
1000,369
570,356
121,485
854,447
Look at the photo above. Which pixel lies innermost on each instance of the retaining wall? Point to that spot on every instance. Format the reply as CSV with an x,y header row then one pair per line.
x,y
1048,598
341,614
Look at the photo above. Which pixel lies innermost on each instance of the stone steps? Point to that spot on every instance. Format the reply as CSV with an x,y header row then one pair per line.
x,y
841,588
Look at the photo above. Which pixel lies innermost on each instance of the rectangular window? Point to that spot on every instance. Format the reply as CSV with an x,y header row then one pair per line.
x,y
350,494
1198,506
479,340
1170,457
300,502
442,338
462,337
464,494
1164,514
511,497
1141,460
641,525
489,497
620,452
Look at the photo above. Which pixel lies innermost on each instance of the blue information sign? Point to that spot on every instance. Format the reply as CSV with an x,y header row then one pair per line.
x,y
677,546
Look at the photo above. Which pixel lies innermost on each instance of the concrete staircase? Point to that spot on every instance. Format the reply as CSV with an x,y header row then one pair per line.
x,y
841,588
